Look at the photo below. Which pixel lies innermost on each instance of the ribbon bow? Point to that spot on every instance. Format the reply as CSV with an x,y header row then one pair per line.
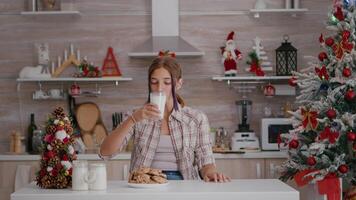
x,y
328,134
322,73
309,119
166,53
343,46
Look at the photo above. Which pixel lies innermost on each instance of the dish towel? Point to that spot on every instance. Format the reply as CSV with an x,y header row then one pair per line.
x,y
22,177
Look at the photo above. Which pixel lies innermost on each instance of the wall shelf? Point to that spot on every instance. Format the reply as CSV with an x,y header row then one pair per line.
x,y
36,13
251,79
293,11
71,79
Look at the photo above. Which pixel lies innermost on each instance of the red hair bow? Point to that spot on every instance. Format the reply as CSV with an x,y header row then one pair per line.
x,y
166,53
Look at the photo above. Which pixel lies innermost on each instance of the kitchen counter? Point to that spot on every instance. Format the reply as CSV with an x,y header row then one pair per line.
x,y
253,189
127,156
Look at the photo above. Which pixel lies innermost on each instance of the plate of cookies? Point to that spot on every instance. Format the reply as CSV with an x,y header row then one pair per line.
x,y
146,177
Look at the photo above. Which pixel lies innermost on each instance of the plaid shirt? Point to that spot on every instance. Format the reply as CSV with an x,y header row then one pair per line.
x,y
189,130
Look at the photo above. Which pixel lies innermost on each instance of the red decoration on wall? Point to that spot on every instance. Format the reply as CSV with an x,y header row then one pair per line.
x,y
110,66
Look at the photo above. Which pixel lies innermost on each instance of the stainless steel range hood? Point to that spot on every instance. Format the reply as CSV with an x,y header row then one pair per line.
x,y
165,32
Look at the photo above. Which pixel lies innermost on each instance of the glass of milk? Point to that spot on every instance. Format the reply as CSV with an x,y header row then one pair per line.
x,y
158,98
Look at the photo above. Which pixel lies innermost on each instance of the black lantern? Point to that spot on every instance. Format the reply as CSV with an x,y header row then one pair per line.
x,y
286,58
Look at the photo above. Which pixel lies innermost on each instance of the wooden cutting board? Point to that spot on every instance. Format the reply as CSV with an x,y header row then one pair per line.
x,y
88,115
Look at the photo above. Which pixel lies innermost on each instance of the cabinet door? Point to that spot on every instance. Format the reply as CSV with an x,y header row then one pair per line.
x,y
271,167
241,168
117,169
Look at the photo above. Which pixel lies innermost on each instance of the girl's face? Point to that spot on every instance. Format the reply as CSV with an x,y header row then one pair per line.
x,y
161,81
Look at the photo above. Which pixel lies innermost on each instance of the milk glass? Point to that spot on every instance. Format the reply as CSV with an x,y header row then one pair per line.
x,y
158,98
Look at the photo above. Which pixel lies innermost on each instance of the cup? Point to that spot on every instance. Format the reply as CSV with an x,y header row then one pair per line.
x,y
97,176
158,98
55,93
79,175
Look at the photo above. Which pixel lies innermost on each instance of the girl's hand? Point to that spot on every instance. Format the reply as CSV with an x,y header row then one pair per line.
x,y
216,177
148,111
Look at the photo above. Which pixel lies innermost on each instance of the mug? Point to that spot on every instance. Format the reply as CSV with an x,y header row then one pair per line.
x,y
97,176
79,175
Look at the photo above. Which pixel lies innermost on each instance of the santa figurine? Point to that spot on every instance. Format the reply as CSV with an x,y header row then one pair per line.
x,y
230,55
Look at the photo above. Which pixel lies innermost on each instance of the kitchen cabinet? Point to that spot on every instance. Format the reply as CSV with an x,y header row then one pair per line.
x,y
241,168
271,165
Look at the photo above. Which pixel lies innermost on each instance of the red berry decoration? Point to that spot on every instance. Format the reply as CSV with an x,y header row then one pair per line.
x,y
292,81
343,169
346,34
329,41
346,72
293,144
311,161
331,113
351,136
322,56
350,95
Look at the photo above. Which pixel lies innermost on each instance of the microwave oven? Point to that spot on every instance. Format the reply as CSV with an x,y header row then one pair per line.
x,y
270,130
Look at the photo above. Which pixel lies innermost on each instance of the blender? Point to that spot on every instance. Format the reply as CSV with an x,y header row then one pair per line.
x,y
244,139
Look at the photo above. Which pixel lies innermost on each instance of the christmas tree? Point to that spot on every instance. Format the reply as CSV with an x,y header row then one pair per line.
x,y
322,145
57,152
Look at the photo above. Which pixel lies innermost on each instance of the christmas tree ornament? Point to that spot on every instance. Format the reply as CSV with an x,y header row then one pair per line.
x,y
269,90
339,14
311,161
351,136
350,95
310,121
345,34
230,55
346,72
258,59
324,87
57,156
322,73
329,41
110,66
331,113
293,144
286,58
321,39
292,81
322,56
343,169
329,134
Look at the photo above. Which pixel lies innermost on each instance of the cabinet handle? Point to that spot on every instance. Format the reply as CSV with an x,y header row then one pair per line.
x,y
271,170
125,172
258,170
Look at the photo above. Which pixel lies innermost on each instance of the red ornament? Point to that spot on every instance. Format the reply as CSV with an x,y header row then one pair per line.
x,y
311,161
343,169
329,41
346,34
351,136
321,38
65,158
50,154
293,144
54,172
292,81
339,14
322,72
346,72
269,90
331,113
75,89
350,95
322,56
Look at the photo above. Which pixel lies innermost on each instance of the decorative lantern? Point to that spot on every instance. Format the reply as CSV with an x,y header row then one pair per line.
x,y
286,58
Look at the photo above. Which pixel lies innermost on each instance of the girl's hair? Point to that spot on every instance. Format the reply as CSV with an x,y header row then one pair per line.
x,y
174,69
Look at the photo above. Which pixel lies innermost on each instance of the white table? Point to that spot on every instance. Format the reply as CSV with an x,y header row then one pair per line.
x,y
251,189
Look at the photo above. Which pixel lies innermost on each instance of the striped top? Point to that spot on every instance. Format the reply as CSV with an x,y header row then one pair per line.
x,y
189,130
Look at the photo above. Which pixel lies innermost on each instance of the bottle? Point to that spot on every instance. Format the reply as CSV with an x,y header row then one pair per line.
x,y
30,130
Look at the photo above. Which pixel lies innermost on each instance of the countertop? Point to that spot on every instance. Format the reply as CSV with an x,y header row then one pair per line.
x,y
127,156
248,189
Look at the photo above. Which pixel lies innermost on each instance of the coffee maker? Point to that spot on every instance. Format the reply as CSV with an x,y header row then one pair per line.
x,y
244,139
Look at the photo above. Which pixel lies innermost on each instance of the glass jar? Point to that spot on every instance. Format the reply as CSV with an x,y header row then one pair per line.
x,y
37,141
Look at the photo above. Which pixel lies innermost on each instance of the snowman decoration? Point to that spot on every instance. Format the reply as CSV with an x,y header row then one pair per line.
x,y
230,55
